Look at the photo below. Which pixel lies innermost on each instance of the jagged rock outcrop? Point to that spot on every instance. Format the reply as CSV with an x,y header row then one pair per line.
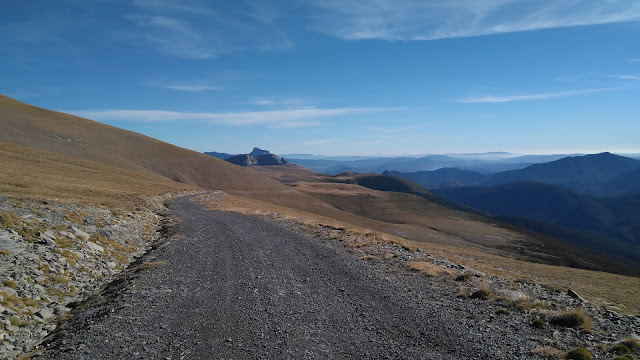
x,y
257,157
243,160
259,152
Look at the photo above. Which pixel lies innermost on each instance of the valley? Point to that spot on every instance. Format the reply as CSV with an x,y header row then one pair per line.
x,y
94,200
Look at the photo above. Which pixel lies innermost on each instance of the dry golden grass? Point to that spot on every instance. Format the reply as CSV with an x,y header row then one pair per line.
x,y
65,179
75,137
29,355
548,352
289,173
177,237
631,344
428,268
462,292
150,264
572,319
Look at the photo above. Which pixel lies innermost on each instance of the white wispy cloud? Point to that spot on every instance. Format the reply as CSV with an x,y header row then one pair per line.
x,y
195,30
174,36
276,118
627,77
634,61
428,20
509,98
286,102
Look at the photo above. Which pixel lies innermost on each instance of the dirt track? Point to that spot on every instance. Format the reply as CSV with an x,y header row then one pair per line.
x,y
238,287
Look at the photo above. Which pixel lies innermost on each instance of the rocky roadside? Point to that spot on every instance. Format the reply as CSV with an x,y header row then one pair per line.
x,y
53,256
558,321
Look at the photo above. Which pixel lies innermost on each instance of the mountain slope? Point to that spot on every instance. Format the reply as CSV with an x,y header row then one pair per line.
x,y
222,156
582,173
73,136
31,173
440,177
625,184
617,218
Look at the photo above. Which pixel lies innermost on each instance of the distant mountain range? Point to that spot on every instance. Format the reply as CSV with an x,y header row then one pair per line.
x,y
616,218
602,174
257,157
486,163
441,177
592,201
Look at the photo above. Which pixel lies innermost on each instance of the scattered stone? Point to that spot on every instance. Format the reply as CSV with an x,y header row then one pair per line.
x,y
575,295
94,246
513,294
81,234
48,261
44,313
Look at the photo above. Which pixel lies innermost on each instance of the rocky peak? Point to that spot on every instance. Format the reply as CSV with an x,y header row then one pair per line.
x,y
257,157
259,152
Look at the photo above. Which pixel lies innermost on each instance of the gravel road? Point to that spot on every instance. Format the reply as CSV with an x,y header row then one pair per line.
x,y
239,287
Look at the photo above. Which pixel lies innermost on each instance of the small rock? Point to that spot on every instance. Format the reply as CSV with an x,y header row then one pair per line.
x,y
61,309
575,295
45,313
513,294
94,246
32,257
81,234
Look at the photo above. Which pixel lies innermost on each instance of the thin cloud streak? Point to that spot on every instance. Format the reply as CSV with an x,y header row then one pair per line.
x,y
627,77
277,118
399,20
272,101
510,98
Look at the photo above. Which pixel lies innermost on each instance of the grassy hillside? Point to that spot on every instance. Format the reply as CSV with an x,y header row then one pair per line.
x,y
72,136
32,173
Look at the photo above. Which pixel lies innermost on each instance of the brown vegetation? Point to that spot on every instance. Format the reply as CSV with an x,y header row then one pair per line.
x,y
428,268
548,352
79,138
572,319
150,264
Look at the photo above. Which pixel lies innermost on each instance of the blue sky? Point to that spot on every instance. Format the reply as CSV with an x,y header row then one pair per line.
x,y
337,77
